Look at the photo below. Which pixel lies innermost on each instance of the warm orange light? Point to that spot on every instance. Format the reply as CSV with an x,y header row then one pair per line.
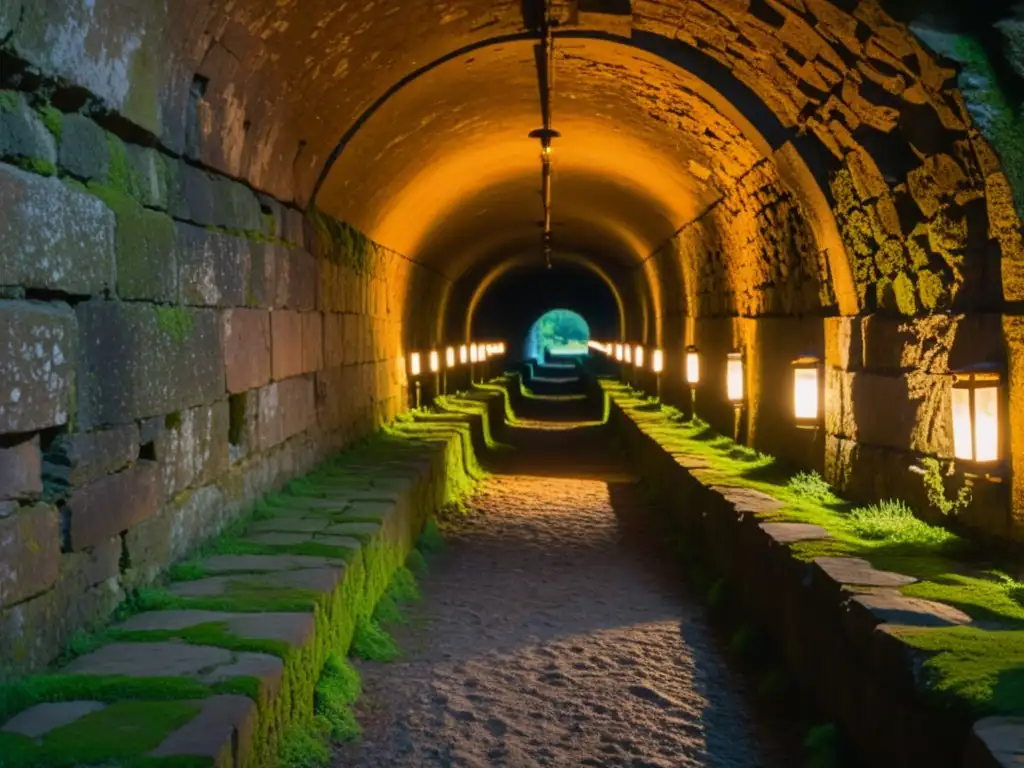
x,y
414,363
627,351
435,361
734,377
638,356
658,361
449,357
975,401
618,352
463,354
692,366
474,353
805,389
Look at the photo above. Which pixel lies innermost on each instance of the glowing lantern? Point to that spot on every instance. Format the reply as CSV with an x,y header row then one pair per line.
x,y
628,353
658,361
435,361
638,357
975,400
618,352
806,375
449,357
692,365
463,354
734,377
414,363
474,353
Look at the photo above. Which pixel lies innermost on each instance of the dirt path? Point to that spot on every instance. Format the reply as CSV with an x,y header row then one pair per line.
x,y
549,635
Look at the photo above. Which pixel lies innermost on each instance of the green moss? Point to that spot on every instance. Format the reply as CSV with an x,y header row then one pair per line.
x,y
371,642
121,175
211,633
416,562
931,290
905,294
338,688
894,521
176,322
255,596
342,243
36,165
121,732
812,487
9,101
388,612
53,119
403,588
190,571
935,487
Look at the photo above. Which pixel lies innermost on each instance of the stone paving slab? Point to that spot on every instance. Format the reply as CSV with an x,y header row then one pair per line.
x,y
999,741
855,571
888,606
41,719
323,580
790,533
222,732
296,629
290,525
748,500
223,564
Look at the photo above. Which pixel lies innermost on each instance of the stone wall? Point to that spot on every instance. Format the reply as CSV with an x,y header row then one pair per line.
x,y
172,345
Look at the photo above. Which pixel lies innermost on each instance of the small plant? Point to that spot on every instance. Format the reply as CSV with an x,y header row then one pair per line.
x,y
812,487
430,539
894,521
372,643
935,488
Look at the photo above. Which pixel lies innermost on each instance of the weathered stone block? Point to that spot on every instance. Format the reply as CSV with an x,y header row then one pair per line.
x,y
137,360
76,459
150,174
312,342
843,346
107,507
84,149
55,237
215,268
21,470
286,344
933,344
304,280
195,450
246,337
286,408
263,283
146,267
293,229
22,133
210,200
37,350
334,340
29,553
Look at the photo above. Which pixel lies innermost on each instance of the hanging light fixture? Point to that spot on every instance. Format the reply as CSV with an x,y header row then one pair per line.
x,y
975,400
806,384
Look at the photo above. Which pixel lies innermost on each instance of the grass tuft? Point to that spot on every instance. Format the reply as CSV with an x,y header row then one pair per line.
x,y
403,587
416,562
811,486
893,521
337,690
430,539
372,643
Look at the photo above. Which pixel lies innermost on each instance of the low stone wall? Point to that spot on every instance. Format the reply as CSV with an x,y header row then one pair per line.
x,y
223,662
831,617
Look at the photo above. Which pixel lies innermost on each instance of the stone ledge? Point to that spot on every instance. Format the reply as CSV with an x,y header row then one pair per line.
x,y
836,619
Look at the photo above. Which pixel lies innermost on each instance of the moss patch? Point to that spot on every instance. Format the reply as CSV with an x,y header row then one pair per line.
x,y
176,322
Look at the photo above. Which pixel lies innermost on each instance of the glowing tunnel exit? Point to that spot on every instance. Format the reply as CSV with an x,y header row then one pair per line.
x,y
558,333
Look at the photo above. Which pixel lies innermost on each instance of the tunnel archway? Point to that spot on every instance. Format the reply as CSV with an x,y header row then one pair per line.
x,y
557,332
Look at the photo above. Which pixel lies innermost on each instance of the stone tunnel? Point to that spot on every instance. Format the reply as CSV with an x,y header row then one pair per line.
x,y
226,225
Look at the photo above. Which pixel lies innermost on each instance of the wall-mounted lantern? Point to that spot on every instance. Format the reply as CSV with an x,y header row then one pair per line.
x,y
657,365
638,356
628,353
415,370
435,361
806,391
463,354
975,399
734,378
449,357
474,353
618,353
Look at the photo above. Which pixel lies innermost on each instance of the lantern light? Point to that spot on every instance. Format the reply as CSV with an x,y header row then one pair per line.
x,y
414,363
435,361
449,357
658,361
734,377
975,401
638,357
627,352
806,376
692,365
474,353
463,354
618,352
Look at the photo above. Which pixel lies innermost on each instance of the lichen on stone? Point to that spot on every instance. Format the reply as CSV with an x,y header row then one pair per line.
x,y
176,322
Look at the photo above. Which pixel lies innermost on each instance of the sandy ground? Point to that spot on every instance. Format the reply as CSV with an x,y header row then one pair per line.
x,y
550,635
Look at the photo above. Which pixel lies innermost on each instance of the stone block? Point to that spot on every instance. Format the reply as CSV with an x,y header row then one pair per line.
x,y
293,228
137,360
39,720
286,408
214,267
37,352
304,280
843,344
149,171
263,287
932,345
22,133
210,200
73,460
113,504
21,470
334,340
194,451
286,344
312,342
84,149
55,237
246,337
223,732
29,553
146,259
